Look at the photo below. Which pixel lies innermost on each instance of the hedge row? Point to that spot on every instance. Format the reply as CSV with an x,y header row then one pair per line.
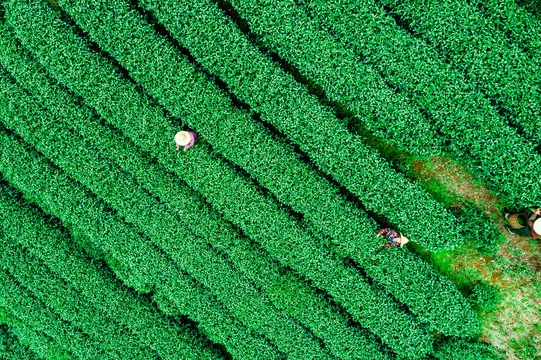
x,y
12,348
256,80
469,41
337,70
180,340
334,268
344,235
215,180
36,314
287,291
477,135
73,204
213,40
64,300
518,24
84,167
451,349
161,224
41,344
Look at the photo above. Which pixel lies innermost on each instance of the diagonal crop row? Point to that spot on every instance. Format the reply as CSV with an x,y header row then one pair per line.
x,y
37,314
478,136
25,231
283,28
12,348
509,77
53,136
73,204
201,105
136,117
41,344
450,349
288,293
518,24
255,79
64,300
126,196
334,269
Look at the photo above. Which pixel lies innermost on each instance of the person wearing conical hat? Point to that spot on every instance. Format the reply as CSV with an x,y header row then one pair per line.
x,y
533,227
186,139
393,238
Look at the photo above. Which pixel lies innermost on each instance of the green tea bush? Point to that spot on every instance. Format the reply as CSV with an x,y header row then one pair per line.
x,y
532,6
136,117
474,131
255,79
167,337
478,228
317,55
452,349
506,74
485,297
158,222
516,22
37,341
12,348
67,199
68,302
291,295
82,166
35,313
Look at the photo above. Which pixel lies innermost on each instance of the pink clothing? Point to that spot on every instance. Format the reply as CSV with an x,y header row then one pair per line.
x,y
193,136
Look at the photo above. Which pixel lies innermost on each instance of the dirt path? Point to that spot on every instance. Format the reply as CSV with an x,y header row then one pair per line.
x,y
514,329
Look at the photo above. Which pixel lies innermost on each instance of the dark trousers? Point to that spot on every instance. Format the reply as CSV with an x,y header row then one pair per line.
x,y
525,231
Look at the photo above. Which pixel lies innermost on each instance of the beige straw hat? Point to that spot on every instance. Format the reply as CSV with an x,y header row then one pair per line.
x,y
403,240
537,226
183,138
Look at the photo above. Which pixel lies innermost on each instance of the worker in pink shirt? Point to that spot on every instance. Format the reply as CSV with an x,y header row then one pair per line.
x,y
186,139
393,238
532,228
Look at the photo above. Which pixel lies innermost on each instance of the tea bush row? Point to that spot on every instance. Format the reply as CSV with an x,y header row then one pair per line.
x,y
234,208
475,133
65,300
451,349
35,313
342,233
472,42
147,265
289,293
222,49
518,24
168,339
12,348
190,254
37,341
371,301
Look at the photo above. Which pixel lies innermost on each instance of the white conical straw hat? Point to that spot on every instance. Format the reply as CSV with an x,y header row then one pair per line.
x,y
183,138
403,240
537,226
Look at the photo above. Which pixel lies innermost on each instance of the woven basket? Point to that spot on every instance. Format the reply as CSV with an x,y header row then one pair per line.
x,y
513,221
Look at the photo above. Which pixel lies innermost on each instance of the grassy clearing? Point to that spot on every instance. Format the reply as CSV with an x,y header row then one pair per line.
x,y
514,269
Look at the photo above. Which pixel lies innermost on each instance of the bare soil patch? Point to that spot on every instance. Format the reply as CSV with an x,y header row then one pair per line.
x,y
514,329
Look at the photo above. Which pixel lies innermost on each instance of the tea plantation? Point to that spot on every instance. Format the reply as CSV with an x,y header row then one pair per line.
x,y
259,242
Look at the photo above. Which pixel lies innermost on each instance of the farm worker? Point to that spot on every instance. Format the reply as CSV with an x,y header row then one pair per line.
x,y
532,228
393,238
186,139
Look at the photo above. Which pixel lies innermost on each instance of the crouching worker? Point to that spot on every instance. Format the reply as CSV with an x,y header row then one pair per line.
x,y
393,238
532,228
186,139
